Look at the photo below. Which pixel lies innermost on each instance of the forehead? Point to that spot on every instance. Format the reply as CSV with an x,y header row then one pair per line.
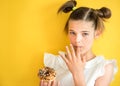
x,y
80,25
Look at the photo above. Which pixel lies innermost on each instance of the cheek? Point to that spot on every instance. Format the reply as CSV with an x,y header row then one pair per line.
x,y
89,39
88,42
72,39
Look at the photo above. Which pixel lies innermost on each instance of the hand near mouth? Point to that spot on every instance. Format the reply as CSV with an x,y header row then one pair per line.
x,y
73,59
75,64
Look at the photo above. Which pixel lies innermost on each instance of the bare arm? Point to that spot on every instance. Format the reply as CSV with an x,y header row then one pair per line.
x,y
107,77
79,79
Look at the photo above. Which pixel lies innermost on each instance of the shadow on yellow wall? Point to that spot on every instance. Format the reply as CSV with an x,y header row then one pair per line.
x,y
28,28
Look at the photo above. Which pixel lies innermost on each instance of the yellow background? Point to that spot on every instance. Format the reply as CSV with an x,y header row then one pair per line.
x,y
28,28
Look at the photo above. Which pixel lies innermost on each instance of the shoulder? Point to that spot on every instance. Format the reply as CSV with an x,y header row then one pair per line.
x,y
108,69
105,64
111,65
105,79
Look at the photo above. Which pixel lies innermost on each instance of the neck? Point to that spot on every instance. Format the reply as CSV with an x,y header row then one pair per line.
x,y
88,55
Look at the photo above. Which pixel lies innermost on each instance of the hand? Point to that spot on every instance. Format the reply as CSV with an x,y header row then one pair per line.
x,y
49,83
74,60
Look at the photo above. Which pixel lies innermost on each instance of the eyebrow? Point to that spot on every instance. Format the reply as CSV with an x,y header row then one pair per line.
x,y
81,31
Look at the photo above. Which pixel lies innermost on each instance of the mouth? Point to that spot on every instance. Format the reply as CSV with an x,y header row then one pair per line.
x,y
78,47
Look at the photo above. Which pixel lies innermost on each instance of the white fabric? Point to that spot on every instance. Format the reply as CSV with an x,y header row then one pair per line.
x,y
93,69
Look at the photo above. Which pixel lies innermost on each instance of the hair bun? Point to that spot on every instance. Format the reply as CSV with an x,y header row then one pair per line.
x,y
67,7
104,12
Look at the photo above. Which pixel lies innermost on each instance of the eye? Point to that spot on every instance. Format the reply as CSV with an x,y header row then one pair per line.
x,y
85,34
72,33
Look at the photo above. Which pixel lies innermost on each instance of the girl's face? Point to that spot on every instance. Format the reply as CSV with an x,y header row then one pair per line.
x,y
81,34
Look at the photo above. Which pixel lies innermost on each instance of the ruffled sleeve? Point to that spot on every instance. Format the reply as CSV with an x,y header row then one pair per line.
x,y
54,61
106,62
63,75
50,60
114,65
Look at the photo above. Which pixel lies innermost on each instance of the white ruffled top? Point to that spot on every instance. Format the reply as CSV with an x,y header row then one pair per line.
x,y
93,69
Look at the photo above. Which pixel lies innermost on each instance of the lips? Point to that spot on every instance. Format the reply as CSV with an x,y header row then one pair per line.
x,y
78,47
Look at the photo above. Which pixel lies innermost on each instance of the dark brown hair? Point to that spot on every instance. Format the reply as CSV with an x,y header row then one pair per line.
x,y
97,16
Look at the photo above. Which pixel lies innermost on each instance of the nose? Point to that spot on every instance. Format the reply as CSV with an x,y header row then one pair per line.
x,y
78,38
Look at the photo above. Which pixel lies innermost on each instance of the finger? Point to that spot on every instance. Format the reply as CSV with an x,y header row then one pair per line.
x,y
49,83
68,53
45,83
64,58
58,83
84,60
72,50
78,52
53,83
41,83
